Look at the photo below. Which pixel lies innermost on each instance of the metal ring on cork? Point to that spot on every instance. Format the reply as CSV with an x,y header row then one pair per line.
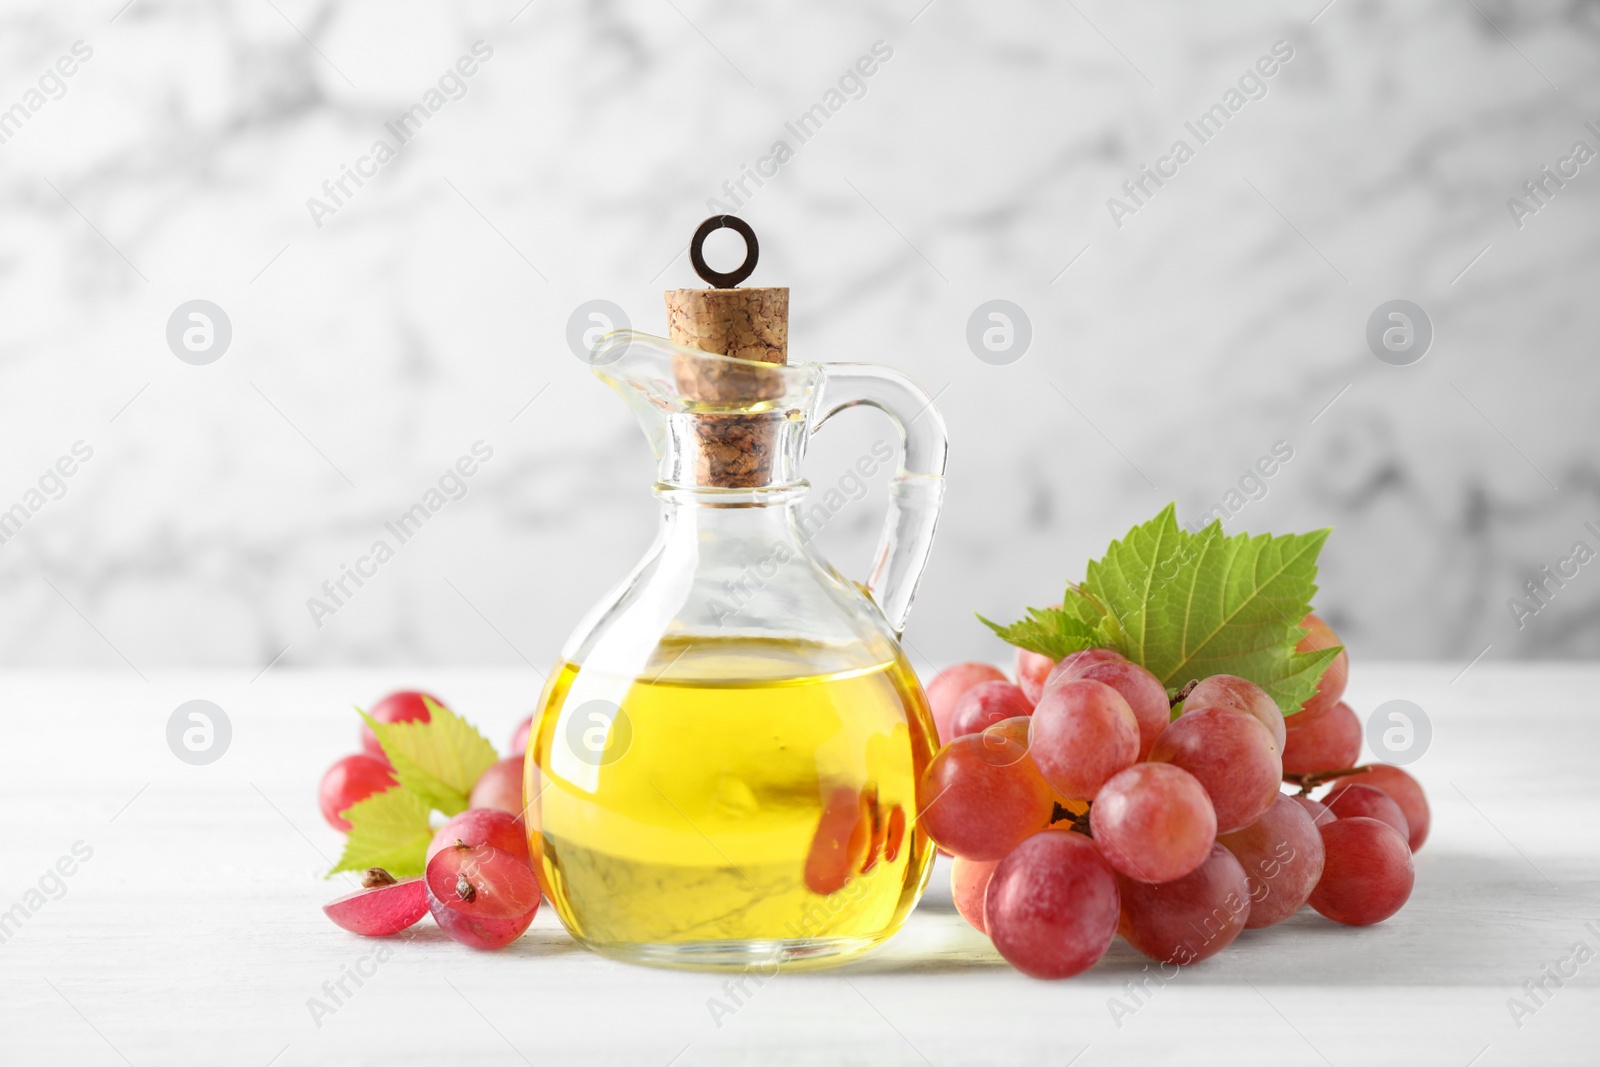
x,y
752,251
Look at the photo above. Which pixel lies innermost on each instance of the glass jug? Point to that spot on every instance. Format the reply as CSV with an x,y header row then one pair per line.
x,y
723,768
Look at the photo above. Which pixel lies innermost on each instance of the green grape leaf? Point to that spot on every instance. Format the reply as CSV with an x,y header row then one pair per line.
x,y
388,830
1049,631
1186,605
439,760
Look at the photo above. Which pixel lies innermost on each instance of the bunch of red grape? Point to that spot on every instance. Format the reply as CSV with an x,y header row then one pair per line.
x,y
1083,802
479,883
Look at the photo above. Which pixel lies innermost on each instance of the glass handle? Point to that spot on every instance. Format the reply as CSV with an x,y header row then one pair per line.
x,y
916,488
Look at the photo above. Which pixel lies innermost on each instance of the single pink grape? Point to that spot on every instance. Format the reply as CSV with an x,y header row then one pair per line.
x,y
969,880
949,685
1282,857
480,895
1153,822
1083,733
483,826
1329,741
1331,686
981,795
352,779
519,738
1367,874
1356,799
1075,663
1240,694
1404,790
1232,755
500,787
1187,919
1318,811
404,706
384,909
1032,669
986,704
1051,906
1142,690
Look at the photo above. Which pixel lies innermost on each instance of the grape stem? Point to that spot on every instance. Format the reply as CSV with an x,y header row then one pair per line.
x,y
1310,781
1183,694
1079,823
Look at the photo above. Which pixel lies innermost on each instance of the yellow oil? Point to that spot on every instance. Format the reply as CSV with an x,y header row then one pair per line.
x,y
712,820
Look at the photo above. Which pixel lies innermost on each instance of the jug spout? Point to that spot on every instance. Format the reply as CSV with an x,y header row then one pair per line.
x,y
713,421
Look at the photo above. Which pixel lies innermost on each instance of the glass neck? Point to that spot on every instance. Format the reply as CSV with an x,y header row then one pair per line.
x,y
736,452
712,509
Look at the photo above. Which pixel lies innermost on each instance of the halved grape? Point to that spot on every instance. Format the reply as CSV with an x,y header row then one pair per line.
x,y
483,826
1051,906
352,779
1153,822
1143,691
404,706
948,686
1327,741
482,896
969,879
1367,874
1032,669
1282,857
1083,732
982,795
386,908
1356,799
1331,686
1232,755
500,787
1240,694
1187,919
1404,790
986,704
1076,663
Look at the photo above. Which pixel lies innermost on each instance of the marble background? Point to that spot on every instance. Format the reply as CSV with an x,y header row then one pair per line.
x,y
374,345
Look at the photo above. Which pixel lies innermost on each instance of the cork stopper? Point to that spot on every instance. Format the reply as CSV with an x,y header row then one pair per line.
x,y
733,450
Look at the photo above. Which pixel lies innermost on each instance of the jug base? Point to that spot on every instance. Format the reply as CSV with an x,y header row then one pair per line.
x,y
757,956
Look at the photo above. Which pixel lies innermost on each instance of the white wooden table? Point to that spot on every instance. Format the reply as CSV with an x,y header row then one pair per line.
x,y
193,932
